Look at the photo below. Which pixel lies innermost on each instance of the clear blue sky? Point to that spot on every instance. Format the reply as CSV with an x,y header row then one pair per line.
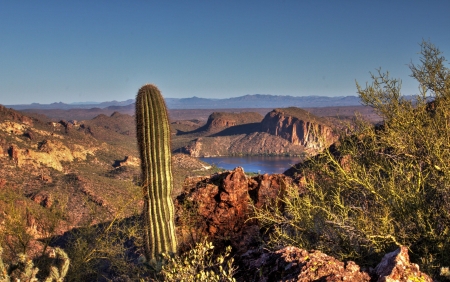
x,y
74,51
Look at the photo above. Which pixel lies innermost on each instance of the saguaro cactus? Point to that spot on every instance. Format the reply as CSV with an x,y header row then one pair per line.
x,y
153,136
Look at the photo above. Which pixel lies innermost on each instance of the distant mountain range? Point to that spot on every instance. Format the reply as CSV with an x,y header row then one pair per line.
x,y
262,101
247,101
63,106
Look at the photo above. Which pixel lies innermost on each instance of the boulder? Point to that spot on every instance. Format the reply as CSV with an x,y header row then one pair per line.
x,y
44,199
219,207
395,266
294,264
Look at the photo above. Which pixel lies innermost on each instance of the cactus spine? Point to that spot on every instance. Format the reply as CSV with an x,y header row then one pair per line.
x,y
153,134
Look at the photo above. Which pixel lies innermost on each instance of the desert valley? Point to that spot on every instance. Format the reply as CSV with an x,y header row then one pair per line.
x,y
71,179
224,141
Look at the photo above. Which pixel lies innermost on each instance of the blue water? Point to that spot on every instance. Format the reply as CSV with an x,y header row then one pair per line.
x,y
254,164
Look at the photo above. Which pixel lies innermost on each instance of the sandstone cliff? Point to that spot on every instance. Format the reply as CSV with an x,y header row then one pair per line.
x,y
299,127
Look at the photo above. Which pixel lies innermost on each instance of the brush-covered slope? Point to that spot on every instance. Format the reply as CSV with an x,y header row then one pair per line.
x,y
87,171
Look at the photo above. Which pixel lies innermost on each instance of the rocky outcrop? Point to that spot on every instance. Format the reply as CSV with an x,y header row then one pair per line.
x,y
39,147
219,207
395,266
294,264
12,115
32,143
194,148
48,153
299,127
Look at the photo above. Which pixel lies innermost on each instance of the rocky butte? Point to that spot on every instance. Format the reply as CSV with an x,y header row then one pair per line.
x,y
299,127
286,131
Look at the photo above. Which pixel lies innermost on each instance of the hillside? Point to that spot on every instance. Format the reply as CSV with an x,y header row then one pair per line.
x,y
75,185
81,168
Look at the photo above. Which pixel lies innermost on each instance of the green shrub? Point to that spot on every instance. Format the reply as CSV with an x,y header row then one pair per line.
x,y
107,250
199,264
380,186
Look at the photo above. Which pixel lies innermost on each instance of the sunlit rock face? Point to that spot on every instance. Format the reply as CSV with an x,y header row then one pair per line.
x,y
298,127
222,205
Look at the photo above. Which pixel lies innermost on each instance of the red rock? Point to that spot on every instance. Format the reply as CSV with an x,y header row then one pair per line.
x,y
219,207
44,199
294,264
395,266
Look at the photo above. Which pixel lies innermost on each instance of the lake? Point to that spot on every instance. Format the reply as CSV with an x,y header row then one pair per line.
x,y
257,164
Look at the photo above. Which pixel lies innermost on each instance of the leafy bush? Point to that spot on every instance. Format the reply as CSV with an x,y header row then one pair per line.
x,y
380,186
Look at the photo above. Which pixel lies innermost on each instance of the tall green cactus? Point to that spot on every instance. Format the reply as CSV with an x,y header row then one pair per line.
x,y
153,134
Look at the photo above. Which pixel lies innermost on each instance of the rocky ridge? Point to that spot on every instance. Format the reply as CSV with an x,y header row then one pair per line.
x,y
26,144
289,131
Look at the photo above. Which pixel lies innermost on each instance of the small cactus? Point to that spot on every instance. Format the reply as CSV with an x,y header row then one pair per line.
x,y
59,274
153,135
24,269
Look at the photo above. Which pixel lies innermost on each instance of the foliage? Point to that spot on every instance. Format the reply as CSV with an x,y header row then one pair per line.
x,y
199,264
106,250
380,186
21,219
